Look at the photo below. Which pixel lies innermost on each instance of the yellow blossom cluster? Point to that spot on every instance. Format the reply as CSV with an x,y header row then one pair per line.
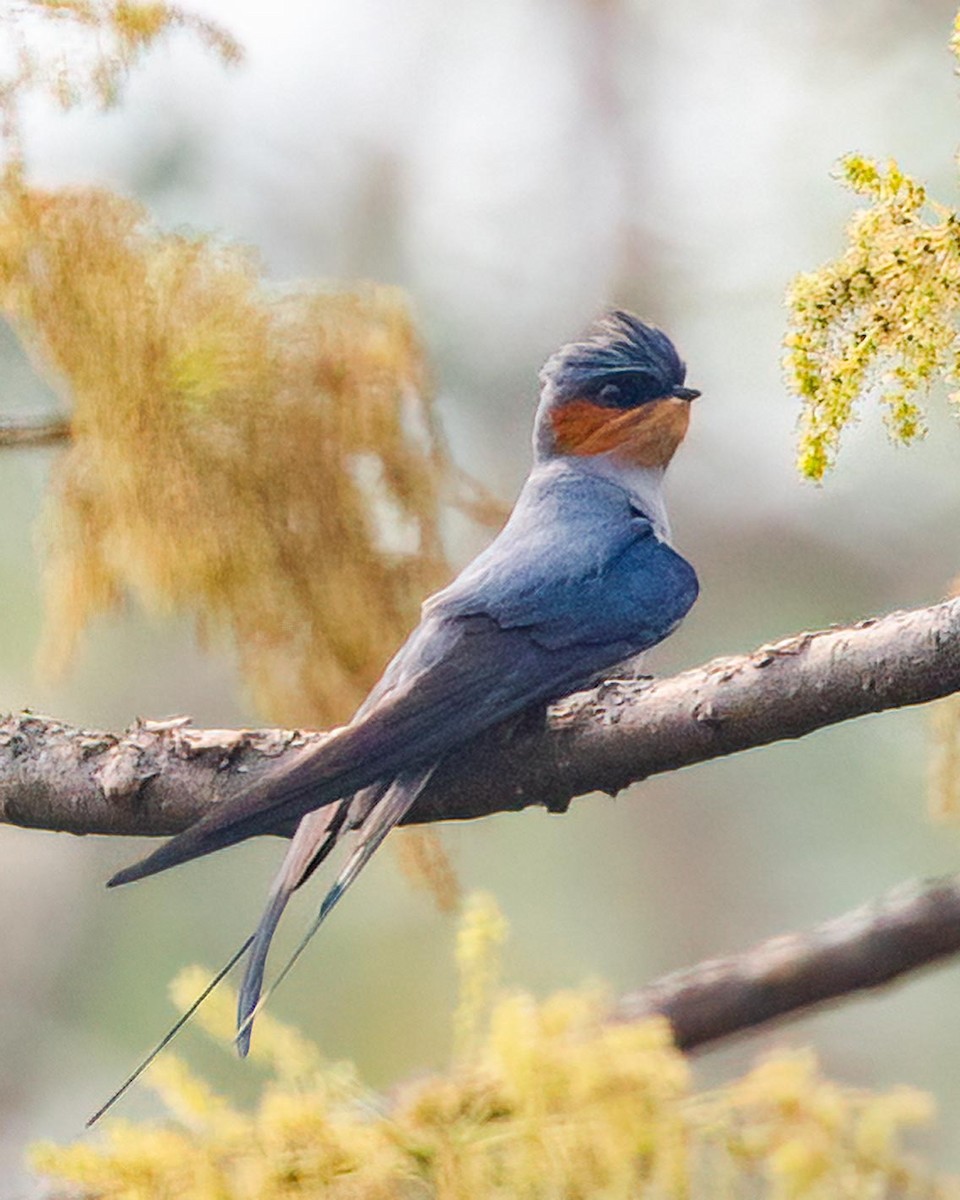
x,y
882,317
554,1101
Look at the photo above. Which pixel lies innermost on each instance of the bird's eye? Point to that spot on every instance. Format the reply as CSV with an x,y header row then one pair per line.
x,y
630,390
610,394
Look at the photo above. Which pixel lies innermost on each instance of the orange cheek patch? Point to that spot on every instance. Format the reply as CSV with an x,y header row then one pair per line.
x,y
646,436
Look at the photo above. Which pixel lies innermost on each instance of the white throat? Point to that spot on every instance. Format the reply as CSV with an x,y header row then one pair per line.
x,y
644,484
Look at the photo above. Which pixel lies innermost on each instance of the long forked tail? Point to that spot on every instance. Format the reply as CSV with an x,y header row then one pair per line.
x,y
170,1034
316,836
396,801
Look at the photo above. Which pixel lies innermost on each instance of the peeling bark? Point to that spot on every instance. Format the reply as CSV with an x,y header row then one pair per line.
x,y
159,776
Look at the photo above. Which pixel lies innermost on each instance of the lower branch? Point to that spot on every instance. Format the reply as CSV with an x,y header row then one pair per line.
x,y
911,927
158,777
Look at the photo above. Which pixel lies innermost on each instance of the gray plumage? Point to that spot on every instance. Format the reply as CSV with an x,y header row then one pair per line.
x,y
580,579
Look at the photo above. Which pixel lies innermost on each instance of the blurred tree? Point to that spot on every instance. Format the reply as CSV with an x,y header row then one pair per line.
x,y
266,459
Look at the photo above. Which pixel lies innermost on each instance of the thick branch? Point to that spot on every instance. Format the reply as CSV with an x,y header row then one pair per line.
x,y
32,430
911,927
157,777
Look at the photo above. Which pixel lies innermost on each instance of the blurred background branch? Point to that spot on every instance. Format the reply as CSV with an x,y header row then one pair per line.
x,y
545,1097
33,430
911,927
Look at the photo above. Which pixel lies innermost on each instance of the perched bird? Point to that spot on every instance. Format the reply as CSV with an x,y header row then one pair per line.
x,y
581,578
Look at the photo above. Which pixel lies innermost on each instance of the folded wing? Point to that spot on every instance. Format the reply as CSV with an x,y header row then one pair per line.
x,y
474,660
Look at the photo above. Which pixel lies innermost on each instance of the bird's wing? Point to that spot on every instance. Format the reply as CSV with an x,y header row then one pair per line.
x,y
472,662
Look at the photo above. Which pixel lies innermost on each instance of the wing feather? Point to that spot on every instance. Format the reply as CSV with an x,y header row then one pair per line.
x,y
479,656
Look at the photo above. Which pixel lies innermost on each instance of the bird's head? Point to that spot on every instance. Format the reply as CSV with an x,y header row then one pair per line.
x,y
617,393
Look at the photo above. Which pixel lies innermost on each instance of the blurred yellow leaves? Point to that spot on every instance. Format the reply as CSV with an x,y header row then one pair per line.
x,y
236,454
555,1102
265,459
944,766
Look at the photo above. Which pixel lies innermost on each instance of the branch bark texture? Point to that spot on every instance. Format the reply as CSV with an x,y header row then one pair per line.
x,y
158,777
914,926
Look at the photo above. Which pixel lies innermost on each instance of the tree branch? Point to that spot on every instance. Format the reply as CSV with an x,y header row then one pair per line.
x,y
158,777
911,927
33,430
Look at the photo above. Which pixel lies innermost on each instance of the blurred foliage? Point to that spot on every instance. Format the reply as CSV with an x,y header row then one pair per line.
x,y
551,1100
94,46
232,452
944,769
424,861
883,316
943,774
266,460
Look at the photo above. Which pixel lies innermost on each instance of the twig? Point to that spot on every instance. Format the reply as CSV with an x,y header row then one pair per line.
x,y
158,777
32,430
911,927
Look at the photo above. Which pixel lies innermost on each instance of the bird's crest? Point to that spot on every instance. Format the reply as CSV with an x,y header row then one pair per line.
x,y
618,344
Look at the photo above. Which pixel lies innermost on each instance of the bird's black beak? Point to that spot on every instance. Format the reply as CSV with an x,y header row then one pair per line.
x,y
685,393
